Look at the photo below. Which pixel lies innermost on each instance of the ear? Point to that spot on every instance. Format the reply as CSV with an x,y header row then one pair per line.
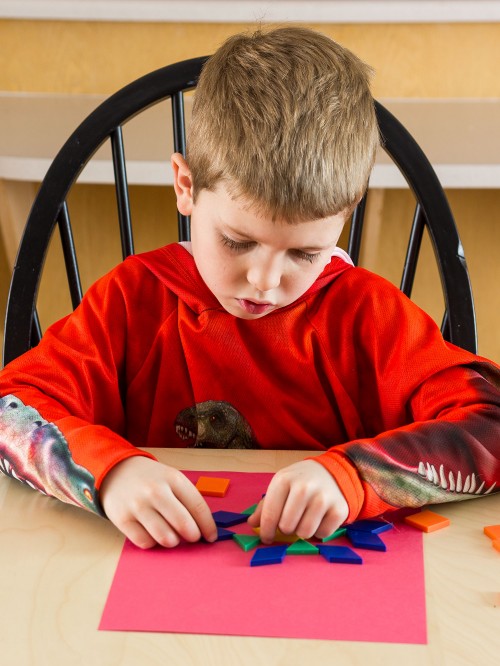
x,y
183,184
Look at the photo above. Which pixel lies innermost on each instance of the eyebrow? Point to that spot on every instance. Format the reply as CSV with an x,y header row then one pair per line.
x,y
312,249
237,232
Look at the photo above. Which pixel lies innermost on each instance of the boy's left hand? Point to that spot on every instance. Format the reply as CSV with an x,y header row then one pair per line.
x,y
302,499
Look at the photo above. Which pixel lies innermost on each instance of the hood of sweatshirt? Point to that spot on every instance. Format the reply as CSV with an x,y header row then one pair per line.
x,y
175,267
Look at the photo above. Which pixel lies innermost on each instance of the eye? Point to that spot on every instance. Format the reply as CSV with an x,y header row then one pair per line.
x,y
215,420
306,256
237,246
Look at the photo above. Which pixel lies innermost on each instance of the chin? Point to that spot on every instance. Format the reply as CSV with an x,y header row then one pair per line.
x,y
246,315
240,313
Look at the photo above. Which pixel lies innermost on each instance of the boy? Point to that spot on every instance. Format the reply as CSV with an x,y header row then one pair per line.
x,y
259,333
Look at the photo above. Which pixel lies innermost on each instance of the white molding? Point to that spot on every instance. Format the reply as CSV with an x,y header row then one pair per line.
x,y
459,136
451,176
142,172
250,11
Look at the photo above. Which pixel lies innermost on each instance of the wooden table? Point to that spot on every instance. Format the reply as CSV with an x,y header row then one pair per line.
x,y
58,563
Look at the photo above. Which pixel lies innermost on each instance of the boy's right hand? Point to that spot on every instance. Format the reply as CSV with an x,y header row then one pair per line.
x,y
152,504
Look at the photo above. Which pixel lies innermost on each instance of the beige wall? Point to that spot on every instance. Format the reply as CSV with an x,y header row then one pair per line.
x,y
415,60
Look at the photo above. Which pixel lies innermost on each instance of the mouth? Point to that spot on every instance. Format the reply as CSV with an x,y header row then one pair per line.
x,y
185,433
255,307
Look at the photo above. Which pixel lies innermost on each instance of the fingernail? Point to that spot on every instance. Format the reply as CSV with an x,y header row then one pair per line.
x,y
211,539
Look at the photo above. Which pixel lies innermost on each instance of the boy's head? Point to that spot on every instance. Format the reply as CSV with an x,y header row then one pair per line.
x,y
280,147
285,119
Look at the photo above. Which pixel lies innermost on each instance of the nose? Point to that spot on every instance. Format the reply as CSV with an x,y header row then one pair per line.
x,y
265,274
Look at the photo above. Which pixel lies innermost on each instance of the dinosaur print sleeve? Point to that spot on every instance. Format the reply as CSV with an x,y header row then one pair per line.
x,y
450,452
425,415
35,452
62,418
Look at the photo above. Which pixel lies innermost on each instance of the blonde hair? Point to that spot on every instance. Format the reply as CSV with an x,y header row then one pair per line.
x,y
286,119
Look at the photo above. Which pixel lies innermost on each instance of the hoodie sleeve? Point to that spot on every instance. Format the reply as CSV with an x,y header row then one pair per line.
x,y
53,397
430,413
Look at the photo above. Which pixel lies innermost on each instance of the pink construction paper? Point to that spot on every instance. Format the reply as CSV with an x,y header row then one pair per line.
x,y
211,589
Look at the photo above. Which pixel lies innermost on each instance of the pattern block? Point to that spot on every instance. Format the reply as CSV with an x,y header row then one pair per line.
x,y
335,535
268,555
373,526
228,518
223,534
246,541
366,540
279,537
492,531
427,521
211,486
340,554
302,547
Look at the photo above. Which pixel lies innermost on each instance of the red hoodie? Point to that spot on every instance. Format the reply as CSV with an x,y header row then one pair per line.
x,y
352,368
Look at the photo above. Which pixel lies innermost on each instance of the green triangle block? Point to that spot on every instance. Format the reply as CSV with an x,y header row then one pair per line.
x,y
302,547
338,533
246,541
250,510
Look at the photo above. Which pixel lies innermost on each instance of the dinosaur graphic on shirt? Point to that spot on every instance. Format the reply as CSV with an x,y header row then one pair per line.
x,y
417,484
214,424
35,452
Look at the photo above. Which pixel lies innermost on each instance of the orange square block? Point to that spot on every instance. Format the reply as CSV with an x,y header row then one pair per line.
x,y
493,531
496,544
427,521
212,486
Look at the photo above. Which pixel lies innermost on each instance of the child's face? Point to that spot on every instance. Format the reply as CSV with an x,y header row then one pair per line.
x,y
251,264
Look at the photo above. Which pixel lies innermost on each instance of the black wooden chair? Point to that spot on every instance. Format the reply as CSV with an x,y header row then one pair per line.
x,y
22,327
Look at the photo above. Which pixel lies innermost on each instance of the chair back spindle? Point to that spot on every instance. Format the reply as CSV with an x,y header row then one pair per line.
x,y
122,194
36,329
414,244
69,253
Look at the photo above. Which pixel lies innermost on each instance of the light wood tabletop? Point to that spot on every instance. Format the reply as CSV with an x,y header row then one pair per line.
x,y
58,562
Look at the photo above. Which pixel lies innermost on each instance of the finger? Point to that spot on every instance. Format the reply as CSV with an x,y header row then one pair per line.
x,y
177,516
293,511
172,503
196,508
310,522
158,528
332,520
137,534
254,518
272,509
321,517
